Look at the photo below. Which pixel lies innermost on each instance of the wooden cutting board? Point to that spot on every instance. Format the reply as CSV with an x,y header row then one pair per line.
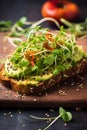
x,y
72,93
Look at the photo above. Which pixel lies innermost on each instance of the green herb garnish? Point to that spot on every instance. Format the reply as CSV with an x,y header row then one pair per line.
x,y
22,26
78,29
5,26
65,115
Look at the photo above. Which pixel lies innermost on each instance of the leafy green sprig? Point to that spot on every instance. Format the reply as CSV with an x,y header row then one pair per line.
x,y
65,115
78,29
5,26
22,26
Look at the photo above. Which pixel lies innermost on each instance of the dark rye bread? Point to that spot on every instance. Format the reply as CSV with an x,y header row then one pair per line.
x,y
42,86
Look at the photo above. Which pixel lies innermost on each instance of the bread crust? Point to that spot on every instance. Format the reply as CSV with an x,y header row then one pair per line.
x,y
42,86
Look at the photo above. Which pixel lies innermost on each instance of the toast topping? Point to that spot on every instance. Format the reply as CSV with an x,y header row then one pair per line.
x,y
43,55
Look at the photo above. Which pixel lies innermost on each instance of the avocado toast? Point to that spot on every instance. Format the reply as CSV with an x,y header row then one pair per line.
x,y
43,60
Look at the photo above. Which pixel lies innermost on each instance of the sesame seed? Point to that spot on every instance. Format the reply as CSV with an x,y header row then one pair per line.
x,y
65,124
80,85
5,49
78,109
24,96
51,110
40,94
77,89
6,96
61,92
23,125
5,114
48,121
46,94
46,114
65,83
19,111
72,83
11,115
39,129
35,99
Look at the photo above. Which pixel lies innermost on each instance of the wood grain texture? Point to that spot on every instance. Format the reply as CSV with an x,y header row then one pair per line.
x,y
68,94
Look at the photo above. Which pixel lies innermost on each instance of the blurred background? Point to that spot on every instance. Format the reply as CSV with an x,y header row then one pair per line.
x,y
14,9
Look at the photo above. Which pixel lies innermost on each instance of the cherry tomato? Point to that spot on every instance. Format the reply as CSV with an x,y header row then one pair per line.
x,y
60,9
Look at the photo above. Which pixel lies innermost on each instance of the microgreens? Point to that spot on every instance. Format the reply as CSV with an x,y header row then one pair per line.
x,y
5,26
23,26
44,52
65,115
78,29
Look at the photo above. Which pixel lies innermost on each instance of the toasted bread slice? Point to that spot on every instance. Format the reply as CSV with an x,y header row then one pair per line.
x,y
41,62
22,86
